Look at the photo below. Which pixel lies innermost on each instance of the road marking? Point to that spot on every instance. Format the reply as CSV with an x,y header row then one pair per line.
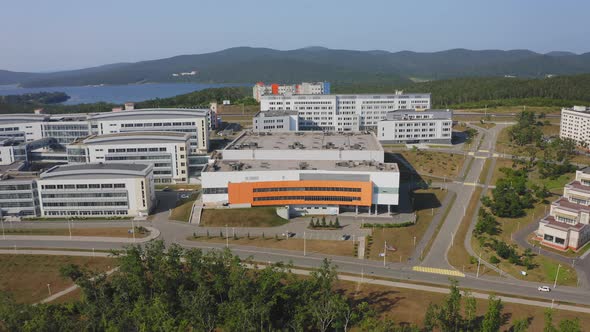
x,y
480,157
483,151
470,184
435,270
471,154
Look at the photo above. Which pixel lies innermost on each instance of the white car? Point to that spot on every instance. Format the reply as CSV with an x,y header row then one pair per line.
x,y
544,289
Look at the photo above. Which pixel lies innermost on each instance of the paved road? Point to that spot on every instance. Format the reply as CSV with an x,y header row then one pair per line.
x,y
437,256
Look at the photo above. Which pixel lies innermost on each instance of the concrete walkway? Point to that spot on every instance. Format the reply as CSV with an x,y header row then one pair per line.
x,y
154,233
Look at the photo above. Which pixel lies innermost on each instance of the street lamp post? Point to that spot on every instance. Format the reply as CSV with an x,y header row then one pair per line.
x,y
556,275
304,249
70,228
226,237
133,229
3,234
49,289
384,252
478,263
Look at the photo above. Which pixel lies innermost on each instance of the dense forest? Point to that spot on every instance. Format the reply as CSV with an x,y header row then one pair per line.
x,y
459,93
176,289
557,91
28,101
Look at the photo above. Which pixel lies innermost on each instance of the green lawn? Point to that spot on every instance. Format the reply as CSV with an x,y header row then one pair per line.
x,y
182,211
248,217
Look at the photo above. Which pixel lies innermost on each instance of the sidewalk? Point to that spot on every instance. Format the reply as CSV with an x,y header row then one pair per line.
x,y
154,233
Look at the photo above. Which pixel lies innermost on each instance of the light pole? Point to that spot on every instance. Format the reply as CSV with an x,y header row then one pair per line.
x,y
3,234
414,241
304,253
133,229
478,263
556,275
226,237
70,228
49,289
384,252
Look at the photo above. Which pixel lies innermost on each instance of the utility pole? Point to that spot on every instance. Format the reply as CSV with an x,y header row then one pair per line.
x,y
384,252
304,249
556,275
133,229
70,228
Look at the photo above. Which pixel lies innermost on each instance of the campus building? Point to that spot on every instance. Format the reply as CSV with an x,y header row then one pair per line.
x,y
96,189
343,112
411,126
305,88
167,152
309,172
275,121
19,196
575,125
67,128
566,226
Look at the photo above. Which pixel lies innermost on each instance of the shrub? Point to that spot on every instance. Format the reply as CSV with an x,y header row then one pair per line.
x,y
494,260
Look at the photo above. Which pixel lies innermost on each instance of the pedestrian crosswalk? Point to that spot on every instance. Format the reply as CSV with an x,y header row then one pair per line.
x,y
435,270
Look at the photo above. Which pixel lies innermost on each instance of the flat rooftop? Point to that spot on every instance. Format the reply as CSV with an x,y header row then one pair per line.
x,y
306,140
282,165
133,137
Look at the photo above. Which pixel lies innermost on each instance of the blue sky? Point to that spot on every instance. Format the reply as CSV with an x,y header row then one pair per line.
x,y
40,35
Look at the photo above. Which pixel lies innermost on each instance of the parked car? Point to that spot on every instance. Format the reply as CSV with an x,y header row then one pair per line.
x,y
166,189
345,237
184,196
288,234
544,289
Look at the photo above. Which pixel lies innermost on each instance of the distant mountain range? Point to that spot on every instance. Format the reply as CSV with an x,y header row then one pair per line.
x,y
247,64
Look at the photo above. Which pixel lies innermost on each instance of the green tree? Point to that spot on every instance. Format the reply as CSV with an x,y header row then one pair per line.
x,y
470,311
570,325
493,317
449,316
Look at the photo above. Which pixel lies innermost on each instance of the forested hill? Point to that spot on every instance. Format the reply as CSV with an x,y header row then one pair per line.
x,y
558,91
247,64
561,91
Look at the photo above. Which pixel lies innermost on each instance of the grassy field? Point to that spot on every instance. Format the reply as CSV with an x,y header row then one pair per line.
x,y
183,209
458,255
513,109
250,217
434,163
102,232
427,204
326,247
26,277
237,109
545,269
178,186
485,125
407,306
484,172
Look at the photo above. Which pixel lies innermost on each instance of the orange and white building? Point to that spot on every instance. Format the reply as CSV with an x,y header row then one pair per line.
x,y
317,88
567,225
310,172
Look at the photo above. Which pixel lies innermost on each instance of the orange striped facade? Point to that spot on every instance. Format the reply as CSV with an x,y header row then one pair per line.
x,y
303,192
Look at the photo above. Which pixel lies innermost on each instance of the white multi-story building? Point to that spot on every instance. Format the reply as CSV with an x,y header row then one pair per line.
x,y
67,128
575,125
305,88
343,112
275,121
567,225
97,189
431,126
18,194
167,152
310,172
